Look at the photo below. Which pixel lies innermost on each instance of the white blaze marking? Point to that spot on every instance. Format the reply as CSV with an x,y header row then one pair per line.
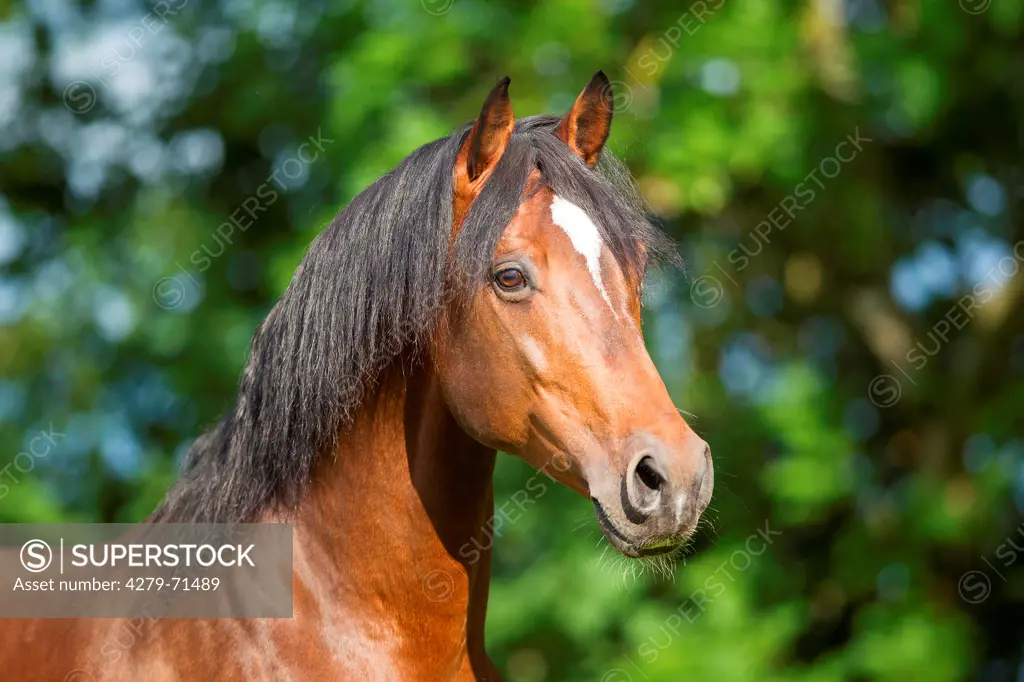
x,y
533,353
585,238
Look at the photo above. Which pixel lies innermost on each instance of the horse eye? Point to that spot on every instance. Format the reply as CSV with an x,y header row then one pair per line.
x,y
510,279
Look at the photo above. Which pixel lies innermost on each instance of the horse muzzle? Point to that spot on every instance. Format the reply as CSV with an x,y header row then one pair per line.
x,y
654,506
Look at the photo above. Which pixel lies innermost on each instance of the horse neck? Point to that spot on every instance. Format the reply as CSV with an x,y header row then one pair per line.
x,y
396,524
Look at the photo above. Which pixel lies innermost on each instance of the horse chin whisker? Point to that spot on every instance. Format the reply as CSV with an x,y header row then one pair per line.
x,y
633,569
584,523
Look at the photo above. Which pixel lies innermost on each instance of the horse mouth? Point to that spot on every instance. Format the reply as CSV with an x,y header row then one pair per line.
x,y
630,547
662,547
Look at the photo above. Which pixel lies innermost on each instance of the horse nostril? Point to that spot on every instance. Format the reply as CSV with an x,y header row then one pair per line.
x,y
644,489
646,486
647,475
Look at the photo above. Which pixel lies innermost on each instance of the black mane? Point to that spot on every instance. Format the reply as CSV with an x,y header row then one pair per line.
x,y
371,288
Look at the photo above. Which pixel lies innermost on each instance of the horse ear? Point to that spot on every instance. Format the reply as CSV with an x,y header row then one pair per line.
x,y
585,128
490,134
483,147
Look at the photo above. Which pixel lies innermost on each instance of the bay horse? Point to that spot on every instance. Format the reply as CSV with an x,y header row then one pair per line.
x,y
484,295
